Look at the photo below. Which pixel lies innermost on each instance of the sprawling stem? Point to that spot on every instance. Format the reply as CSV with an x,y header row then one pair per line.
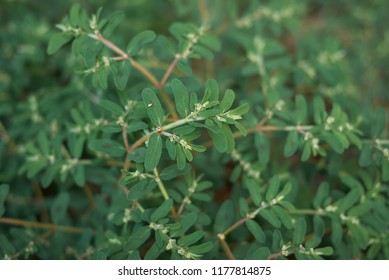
x,y
53,227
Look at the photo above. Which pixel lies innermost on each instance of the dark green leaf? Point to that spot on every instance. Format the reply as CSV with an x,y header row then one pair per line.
x,y
256,231
112,107
153,152
121,72
181,98
259,254
262,145
190,239
107,146
59,207
273,189
153,106
224,216
201,249
140,189
4,189
299,232
301,109
269,216
254,190
162,211
291,144
137,238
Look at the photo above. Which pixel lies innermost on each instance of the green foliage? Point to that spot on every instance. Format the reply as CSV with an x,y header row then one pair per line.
x,y
221,129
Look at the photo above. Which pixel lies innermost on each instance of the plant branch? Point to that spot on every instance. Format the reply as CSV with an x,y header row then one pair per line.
x,y
52,227
124,56
237,224
169,70
226,248
163,191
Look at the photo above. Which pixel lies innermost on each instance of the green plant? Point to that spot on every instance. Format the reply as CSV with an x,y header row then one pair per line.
x,y
240,136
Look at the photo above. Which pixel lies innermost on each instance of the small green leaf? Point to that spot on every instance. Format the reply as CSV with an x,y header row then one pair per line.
x,y
301,109
254,190
171,148
153,106
229,136
219,139
379,123
273,189
113,21
181,98
269,216
162,211
321,194
299,232
4,189
256,231
121,72
140,189
227,101
57,41
141,39
241,110
112,107
181,158
59,207
334,142
224,216
243,207
259,254
212,91
325,251
107,146
153,152
138,238
202,248
291,144
190,238
284,217
262,145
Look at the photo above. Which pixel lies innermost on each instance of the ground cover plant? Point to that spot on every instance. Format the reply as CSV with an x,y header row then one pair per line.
x,y
194,130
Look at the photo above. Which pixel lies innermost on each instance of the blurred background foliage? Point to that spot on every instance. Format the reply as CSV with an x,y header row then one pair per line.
x,y
351,34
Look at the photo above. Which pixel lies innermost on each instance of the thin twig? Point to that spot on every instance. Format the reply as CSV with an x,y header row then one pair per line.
x,y
169,70
226,248
53,227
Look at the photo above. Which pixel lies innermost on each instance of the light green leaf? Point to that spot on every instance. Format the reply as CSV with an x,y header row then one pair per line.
x,y
57,41
141,39
227,101
259,254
